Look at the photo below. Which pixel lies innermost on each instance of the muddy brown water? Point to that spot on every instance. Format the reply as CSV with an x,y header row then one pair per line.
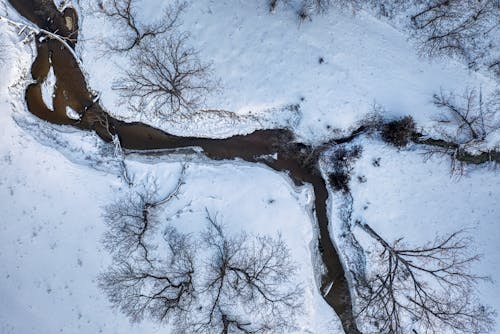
x,y
71,91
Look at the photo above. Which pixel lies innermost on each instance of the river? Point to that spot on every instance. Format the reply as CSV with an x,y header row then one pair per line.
x,y
72,91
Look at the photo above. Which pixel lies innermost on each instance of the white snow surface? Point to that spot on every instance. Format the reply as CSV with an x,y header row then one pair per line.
x,y
48,87
71,113
55,182
266,61
407,197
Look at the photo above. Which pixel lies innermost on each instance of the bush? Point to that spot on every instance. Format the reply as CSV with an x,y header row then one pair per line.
x,y
339,180
341,164
399,132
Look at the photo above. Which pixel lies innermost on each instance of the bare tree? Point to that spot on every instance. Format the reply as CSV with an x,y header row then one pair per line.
x,y
247,286
132,219
321,6
129,220
273,4
389,8
427,289
160,289
467,120
463,28
166,77
306,8
143,282
471,114
123,13
216,284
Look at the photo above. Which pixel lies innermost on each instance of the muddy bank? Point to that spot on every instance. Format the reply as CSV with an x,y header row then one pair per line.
x,y
71,91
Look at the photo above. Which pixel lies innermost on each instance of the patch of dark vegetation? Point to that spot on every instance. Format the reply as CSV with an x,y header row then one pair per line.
x,y
399,132
341,164
362,179
339,181
304,14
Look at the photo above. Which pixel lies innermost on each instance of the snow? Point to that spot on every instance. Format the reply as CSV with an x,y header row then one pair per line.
x,y
56,180
54,185
71,113
418,200
50,227
48,89
266,61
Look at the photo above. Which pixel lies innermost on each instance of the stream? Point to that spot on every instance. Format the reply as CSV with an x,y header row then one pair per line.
x,y
71,90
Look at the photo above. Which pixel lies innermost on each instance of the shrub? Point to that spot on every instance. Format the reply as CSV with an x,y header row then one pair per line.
x,y
399,132
339,181
341,164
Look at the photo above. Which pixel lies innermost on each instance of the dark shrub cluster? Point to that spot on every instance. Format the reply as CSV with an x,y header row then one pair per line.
x,y
341,163
399,132
339,181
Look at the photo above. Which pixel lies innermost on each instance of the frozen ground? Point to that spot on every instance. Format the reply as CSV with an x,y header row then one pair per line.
x,y
56,180
266,61
418,200
51,199
48,89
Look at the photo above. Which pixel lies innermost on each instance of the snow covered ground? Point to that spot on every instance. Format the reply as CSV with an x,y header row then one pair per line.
x,y
51,200
56,180
265,61
48,86
404,196
419,200
50,226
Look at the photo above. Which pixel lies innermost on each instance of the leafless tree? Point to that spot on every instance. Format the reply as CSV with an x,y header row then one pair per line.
x,y
166,77
463,28
128,221
427,289
273,4
218,283
143,282
388,8
132,219
247,285
123,13
467,120
321,6
306,8
160,289
471,114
